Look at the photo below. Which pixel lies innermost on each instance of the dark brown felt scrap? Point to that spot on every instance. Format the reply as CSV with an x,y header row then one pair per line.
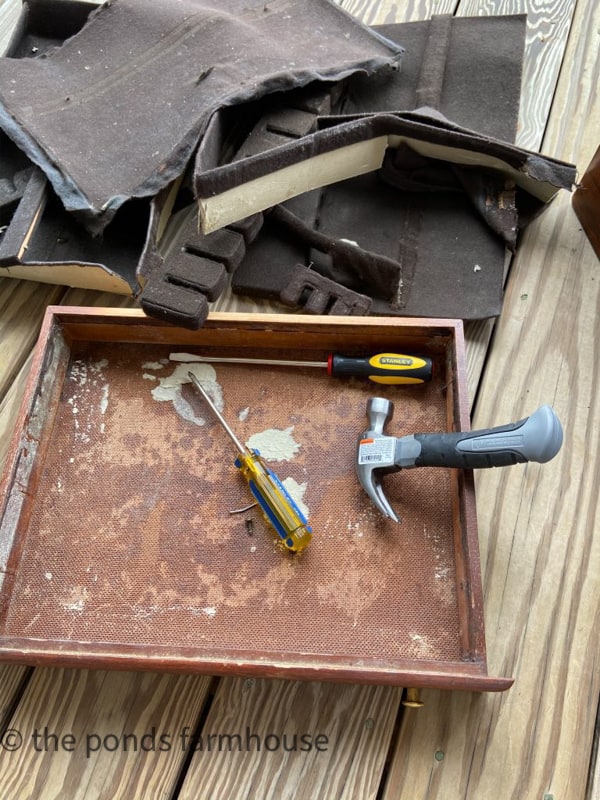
x,y
319,295
118,109
176,286
41,241
445,225
473,76
422,125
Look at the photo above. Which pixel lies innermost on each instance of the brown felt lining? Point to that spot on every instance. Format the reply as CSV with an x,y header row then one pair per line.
x,y
140,102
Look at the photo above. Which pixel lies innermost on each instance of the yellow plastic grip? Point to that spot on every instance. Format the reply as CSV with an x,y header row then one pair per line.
x,y
277,506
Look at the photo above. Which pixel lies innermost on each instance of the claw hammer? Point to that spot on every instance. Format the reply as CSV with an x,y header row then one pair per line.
x,y
535,438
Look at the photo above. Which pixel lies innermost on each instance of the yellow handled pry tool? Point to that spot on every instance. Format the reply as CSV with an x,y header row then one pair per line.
x,y
279,509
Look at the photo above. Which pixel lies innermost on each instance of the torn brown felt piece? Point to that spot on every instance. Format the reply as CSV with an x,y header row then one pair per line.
x,y
177,282
450,258
445,224
40,241
351,145
108,117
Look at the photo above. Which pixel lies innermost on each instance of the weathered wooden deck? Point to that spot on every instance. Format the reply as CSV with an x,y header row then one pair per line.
x,y
539,533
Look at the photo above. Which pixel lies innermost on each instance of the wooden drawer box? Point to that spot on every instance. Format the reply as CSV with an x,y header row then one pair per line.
x,y
118,547
586,202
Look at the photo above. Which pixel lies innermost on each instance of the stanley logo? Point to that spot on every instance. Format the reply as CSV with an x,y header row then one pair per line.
x,y
398,362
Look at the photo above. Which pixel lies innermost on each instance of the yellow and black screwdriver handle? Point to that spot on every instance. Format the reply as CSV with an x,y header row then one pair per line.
x,y
389,368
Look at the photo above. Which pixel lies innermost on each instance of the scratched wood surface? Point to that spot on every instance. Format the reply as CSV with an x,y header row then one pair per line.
x,y
539,552
538,528
117,734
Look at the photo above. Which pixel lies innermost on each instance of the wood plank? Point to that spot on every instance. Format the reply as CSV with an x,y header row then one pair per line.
x,y
348,733
101,734
541,558
90,297
9,15
13,679
538,524
382,12
9,408
548,27
22,307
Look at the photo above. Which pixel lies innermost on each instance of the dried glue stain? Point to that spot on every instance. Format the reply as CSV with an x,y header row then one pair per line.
x,y
87,376
104,398
274,444
77,600
421,646
296,492
243,415
154,364
169,390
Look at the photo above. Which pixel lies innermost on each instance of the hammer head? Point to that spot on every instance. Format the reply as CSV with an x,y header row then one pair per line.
x,y
376,454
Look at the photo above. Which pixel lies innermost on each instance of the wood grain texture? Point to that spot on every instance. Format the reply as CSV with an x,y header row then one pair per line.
x,y
9,408
382,12
13,679
22,307
89,297
538,524
354,725
124,734
9,15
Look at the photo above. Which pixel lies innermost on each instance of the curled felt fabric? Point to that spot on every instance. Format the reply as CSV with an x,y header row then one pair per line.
x,y
492,195
118,109
443,198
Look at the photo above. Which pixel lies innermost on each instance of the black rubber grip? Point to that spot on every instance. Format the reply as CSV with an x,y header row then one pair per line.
x,y
439,450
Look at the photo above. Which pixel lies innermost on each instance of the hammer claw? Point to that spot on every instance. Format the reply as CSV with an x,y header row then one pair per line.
x,y
381,501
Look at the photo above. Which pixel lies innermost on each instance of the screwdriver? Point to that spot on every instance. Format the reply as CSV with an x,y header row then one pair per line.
x,y
389,368
278,508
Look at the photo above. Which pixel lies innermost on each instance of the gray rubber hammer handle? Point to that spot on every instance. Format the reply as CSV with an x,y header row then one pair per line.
x,y
536,438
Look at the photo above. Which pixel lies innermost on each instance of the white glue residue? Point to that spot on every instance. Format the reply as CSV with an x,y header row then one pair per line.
x,y
153,364
104,398
243,415
77,600
169,390
147,376
210,611
274,444
296,492
86,377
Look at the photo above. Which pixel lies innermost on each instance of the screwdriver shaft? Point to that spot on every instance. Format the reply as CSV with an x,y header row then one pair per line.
x,y
188,357
217,413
